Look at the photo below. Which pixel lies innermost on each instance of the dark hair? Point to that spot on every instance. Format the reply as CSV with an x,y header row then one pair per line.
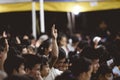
x,y
89,53
2,42
82,44
44,61
104,69
81,65
1,48
62,54
12,52
74,39
25,42
12,41
60,36
31,60
19,77
43,46
13,63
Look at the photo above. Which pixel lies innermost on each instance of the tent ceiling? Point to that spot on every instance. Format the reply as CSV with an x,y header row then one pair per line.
x,y
59,6
13,1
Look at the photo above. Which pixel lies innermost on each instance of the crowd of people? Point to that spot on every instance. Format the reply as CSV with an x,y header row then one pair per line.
x,y
60,56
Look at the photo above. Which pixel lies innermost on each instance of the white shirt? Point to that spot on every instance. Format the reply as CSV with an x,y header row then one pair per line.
x,y
53,74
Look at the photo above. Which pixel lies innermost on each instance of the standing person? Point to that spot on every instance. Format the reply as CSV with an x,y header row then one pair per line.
x,y
62,43
49,48
49,52
58,67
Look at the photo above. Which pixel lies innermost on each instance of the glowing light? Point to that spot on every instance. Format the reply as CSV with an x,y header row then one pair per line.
x,y
76,9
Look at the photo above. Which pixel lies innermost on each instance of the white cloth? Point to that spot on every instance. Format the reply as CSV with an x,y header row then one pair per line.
x,y
116,71
71,48
66,50
53,74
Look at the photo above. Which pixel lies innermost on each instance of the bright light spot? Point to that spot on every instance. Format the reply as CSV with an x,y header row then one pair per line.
x,y
93,4
76,9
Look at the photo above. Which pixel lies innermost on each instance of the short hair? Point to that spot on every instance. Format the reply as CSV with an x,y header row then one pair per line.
x,y
104,69
44,46
62,54
89,53
2,42
31,60
75,39
44,61
81,65
1,48
82,44
13,63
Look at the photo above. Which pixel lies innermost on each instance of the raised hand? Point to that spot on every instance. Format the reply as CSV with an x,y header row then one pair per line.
x,y
54,32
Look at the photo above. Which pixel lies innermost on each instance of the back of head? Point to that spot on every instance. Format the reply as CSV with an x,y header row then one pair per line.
x,y
31,60
62,54
81,65
82,44
89,53
13,63
75,39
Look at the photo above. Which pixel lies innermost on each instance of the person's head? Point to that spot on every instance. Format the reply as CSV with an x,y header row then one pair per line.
x,y
103,25
14,65
44,69
82,44
91,54
61,59
62,40
19,77
66,65
105,73
45,47
82,69
32,64
75,40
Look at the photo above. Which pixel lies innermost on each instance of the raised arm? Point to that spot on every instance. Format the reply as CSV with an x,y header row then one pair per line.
x,y
4,52
54,46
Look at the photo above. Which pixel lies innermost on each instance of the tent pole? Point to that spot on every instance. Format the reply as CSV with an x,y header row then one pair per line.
x,y
42,21
34,20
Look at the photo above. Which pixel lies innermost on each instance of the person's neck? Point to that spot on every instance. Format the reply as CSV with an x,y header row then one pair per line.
x,y
81,77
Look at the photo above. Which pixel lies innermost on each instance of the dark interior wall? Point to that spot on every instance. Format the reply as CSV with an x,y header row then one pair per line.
x,y
16,23
89,21
21,22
